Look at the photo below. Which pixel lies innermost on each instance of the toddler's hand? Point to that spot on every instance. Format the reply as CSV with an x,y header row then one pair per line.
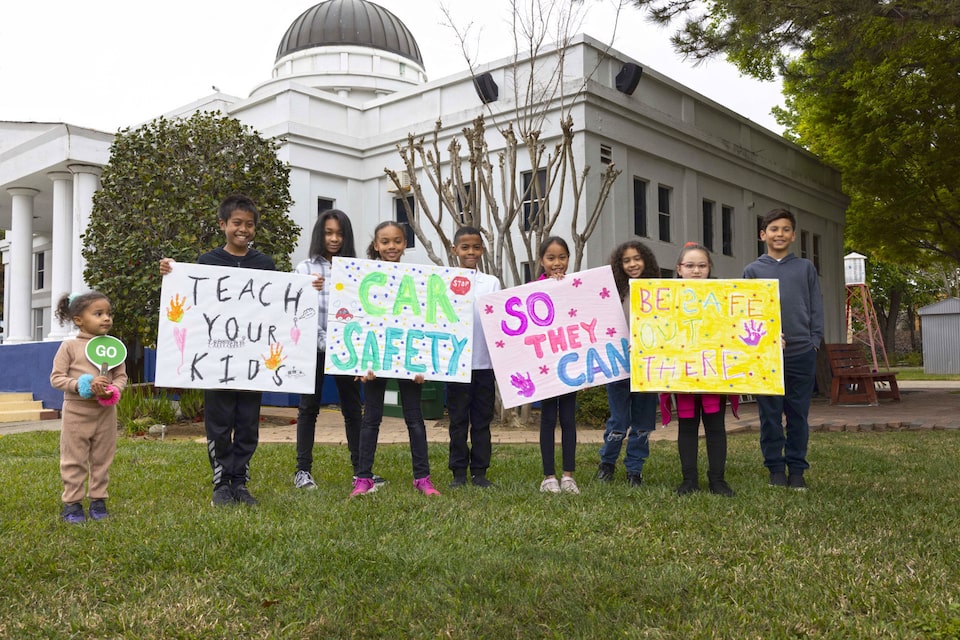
x,y
166,265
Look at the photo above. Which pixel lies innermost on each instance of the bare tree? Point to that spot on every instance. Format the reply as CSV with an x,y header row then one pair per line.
x,y
488,190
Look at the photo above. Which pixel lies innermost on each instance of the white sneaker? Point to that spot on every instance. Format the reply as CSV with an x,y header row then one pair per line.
x,y
550,485
568,485
303,480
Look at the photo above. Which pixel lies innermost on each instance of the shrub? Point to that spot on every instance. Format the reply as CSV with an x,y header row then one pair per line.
x,y
911,359
191,403
593,409
139,408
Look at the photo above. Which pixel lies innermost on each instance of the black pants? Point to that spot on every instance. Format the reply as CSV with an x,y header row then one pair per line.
x,y
715,430
470,406
232,423
349,391
565,407
373,391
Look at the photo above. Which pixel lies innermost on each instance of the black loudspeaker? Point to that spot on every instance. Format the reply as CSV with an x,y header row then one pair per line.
x,y
629,78
486,88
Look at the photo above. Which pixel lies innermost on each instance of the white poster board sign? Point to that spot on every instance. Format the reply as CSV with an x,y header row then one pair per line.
x,y
230,328
551,337
399,320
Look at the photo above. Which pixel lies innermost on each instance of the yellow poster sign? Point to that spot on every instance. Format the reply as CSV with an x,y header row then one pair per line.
x,y
707,336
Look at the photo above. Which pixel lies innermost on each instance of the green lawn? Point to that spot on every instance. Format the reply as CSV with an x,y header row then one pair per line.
x,y
869,552
916,373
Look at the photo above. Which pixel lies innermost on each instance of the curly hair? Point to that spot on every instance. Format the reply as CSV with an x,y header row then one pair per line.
x,y
650,267
70,306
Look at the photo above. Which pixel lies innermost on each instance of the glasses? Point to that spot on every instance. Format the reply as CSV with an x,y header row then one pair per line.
x,y
690,266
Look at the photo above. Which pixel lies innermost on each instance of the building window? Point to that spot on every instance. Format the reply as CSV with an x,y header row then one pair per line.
x,y
640,208
726,221
38,325
606,154
404,221
761,245
526,272
805,244
324,204
663,206
534,197
708,224
816,252
39,271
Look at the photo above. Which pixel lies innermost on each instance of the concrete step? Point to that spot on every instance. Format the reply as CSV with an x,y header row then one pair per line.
x,y
21,407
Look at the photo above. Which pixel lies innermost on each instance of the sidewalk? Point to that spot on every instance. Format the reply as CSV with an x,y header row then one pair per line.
x,y
925,405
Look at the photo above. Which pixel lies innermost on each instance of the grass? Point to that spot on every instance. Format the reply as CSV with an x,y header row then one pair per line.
x,y
869,552
917,373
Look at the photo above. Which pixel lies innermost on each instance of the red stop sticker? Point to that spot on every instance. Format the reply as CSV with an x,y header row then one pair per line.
x,y
460,285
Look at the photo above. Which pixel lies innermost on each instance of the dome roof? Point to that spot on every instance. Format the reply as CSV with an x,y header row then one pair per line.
x,y
349,22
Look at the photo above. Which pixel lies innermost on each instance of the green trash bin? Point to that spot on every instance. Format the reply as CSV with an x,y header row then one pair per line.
x,y
431,400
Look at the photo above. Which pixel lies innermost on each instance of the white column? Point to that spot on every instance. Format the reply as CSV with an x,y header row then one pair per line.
x,y
86,181
18,316
62,250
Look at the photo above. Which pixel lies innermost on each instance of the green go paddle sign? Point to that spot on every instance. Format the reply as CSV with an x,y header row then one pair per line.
x,y
106,352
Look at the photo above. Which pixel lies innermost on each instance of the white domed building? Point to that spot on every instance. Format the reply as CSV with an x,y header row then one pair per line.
x,y
349,84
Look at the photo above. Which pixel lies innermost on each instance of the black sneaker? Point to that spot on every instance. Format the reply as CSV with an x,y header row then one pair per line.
x,y
98,510
242,495
73,513
222,496
721,488
605,472
687,487
480,480
634,479
778,479
796,481
459,479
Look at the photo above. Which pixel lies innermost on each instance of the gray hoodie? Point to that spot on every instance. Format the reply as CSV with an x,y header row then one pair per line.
x,y
801,304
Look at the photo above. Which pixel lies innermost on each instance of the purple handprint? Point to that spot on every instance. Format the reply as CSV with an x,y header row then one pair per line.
x,y
525,386
754,331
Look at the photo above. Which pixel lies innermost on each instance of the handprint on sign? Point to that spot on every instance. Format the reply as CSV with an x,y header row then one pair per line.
x,y
525,386
276,356
754,332
175,311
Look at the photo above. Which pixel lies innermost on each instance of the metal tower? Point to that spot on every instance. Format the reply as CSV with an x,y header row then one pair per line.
x,y
862,324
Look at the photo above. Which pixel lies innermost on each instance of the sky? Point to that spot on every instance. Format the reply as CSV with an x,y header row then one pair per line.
x,y
109,64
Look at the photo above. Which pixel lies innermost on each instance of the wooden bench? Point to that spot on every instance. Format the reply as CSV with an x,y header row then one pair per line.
x,y
854,381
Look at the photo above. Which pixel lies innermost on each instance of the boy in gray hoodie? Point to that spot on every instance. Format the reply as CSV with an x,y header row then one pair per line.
x,y
801,306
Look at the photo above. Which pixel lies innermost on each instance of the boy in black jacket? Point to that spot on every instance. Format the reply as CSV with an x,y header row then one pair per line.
x,y
801,310
232,418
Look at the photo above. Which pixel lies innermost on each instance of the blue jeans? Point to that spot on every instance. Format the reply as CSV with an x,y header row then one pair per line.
x,y
634,416
788,450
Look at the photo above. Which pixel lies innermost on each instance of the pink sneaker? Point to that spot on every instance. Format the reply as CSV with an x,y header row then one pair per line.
x,y
362,486
424,486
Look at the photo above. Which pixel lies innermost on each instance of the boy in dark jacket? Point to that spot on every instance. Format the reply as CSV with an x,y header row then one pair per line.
x,y
801,306
231,417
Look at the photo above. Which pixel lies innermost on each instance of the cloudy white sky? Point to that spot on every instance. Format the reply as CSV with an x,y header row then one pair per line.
x,y
108,64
